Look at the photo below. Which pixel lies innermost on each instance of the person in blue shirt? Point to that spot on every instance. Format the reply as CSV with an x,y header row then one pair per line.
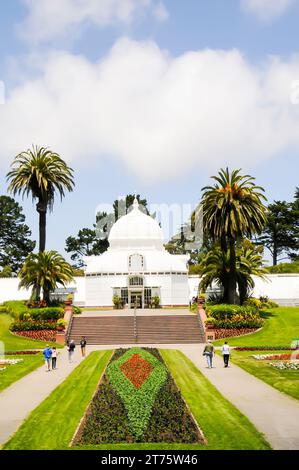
x,y
47,352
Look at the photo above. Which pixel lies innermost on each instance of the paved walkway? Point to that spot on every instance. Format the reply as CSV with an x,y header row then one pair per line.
x,y
18,400
274,414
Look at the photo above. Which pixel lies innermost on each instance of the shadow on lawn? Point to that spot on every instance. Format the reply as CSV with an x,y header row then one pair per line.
x,y
266,314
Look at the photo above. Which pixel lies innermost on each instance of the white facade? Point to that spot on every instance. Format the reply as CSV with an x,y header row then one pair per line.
x,y
282,288
136,266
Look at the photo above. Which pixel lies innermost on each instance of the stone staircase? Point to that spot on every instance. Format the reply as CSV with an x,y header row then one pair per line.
x,y
154,329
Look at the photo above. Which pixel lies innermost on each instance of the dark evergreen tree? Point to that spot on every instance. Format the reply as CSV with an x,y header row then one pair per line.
x,y
15,242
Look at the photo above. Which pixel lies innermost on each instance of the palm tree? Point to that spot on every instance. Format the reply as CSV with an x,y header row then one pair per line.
x,y
233,209
41,173
44,270
216,265
250,263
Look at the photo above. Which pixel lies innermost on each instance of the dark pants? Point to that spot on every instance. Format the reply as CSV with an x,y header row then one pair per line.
x,y
226,359
54,359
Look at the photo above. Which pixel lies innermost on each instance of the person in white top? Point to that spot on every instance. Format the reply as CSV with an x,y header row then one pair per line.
x,y
54,358
225,353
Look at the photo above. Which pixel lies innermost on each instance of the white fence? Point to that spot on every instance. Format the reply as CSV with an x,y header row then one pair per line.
x,y
9,290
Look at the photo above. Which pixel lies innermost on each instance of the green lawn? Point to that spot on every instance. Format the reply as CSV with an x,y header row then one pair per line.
x,y
52,424
280,329
13,342
286,381
17,371
222,424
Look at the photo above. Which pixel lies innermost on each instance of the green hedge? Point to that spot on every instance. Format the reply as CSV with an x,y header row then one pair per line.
x,y
3,309
77,310
32,326
47,313
284,268
262,303
235,324
19,311
226,311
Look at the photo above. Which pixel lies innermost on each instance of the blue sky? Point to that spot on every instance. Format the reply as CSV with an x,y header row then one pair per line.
x,y
114,92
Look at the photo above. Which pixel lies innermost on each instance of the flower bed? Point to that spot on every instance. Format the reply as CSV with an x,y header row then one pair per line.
x,y
33,325
275,357
23,353
137,401
41,335
221,333
285,365
8,362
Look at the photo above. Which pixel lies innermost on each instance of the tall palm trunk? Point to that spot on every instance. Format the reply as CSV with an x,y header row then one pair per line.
x,y
42,210
232,281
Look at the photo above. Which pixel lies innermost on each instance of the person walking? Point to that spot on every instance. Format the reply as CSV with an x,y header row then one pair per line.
x,y
225,353
54,358
83,343
209,353
71,350
47,352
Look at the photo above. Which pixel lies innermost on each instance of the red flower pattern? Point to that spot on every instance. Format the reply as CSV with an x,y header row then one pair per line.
x,y
137,370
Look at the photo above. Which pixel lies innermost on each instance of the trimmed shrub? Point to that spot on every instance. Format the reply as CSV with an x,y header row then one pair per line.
x,y
19,311
76,310
2,309
227,311
32,326
43,314
263,303
236,322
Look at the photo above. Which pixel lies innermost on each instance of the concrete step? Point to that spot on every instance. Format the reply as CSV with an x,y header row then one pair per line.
x,y
153,329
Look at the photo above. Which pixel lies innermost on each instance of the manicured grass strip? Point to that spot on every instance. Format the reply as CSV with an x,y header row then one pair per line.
x,y
280,329
222,424
52,424
13,342
15,372
286,381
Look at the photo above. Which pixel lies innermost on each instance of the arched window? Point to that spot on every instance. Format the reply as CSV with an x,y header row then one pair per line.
x,y
135,281
136,262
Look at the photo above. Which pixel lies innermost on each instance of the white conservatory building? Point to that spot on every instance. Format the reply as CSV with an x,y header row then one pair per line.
x,y
136,266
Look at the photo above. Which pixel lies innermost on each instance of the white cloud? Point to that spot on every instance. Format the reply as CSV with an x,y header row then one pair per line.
x,y
267,10
49,19
160,116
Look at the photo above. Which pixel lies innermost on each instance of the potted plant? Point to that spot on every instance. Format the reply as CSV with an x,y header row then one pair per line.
x,y
61,323
69,299
156,301
201,298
